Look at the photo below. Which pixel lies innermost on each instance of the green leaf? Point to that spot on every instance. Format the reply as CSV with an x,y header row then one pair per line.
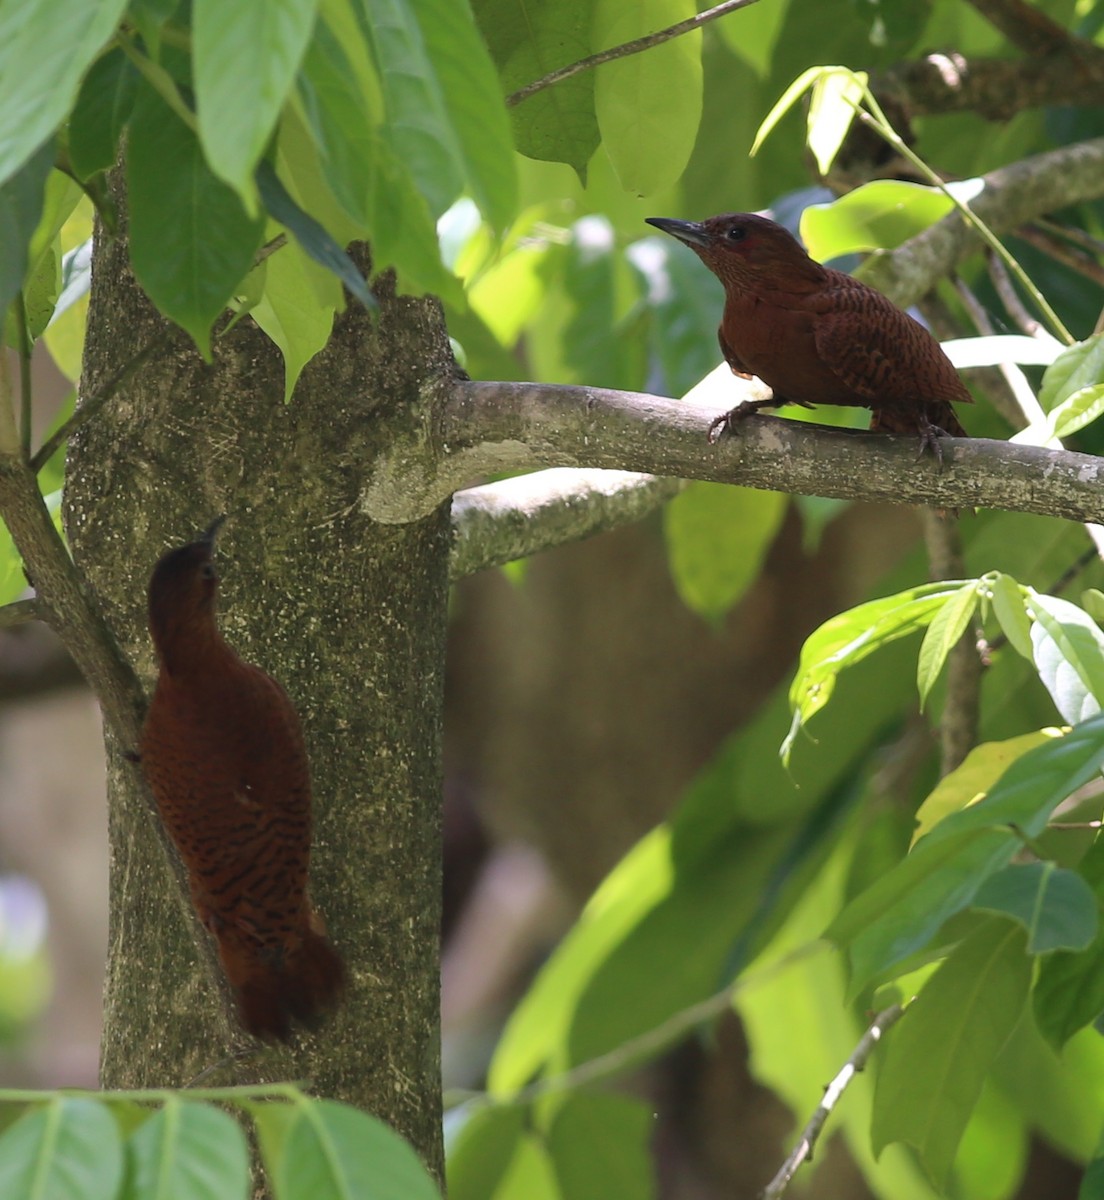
x,y
101,111
717,537
246,56
291,312
191,240
598,1143
480,1154
474,106
1078,410
940,1052
66,1148
45,48
974,777
943,634
189,1151
527,42
647,131
807,79
1078,367
336,1151
1009,601
848,638
1068,648
315,242
835,99
418,122
21,201
1055,906
1069,990
876,216
341,120
904,909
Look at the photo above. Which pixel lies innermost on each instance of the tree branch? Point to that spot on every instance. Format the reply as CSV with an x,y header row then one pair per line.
x,y
19,612
500,522
803,1151
483,428
61,600
634,47
1024,25
1009,197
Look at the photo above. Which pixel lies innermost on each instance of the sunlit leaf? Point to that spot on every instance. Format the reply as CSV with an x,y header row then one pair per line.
x,y
191,1152
943,634
480,1153
877,216
1068,648
598,1143
1009,601
832,107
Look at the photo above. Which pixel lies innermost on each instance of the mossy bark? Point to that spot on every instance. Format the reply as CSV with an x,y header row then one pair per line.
x,y
348,614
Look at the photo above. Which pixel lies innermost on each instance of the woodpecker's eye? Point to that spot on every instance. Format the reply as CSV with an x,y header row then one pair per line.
x,y
736,234
208,571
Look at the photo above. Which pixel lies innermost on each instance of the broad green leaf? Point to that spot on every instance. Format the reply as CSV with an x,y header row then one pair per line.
x,y
1092,1182
717,537
246,56
876,216
474,105
940,1052
189,1151
971,780
339,115
191,241
754,35
1092,601
992,1156
336,1151
66,1149
509,293
418,126
291,312
832,106
22,197
64,336
598,1144
903,910
43,279
527,42
943,634
480,1154
1068,648
273,1121
45,48
1009,601
1069,990
1078,410
1055,906
102,110
1078,367
850,637
647,131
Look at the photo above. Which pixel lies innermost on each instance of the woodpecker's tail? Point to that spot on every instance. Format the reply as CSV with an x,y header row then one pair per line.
x,y
300,981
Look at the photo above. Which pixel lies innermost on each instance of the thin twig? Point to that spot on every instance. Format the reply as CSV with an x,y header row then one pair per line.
x,y
92,405
1067,251
803,1151
19,612
627,48
1006,290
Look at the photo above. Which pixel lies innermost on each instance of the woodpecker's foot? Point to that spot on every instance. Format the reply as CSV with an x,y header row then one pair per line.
x,y
732,418
132,756
929,441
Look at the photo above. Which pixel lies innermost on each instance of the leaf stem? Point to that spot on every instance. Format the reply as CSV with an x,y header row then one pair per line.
x,y
877,119
160,80
25,350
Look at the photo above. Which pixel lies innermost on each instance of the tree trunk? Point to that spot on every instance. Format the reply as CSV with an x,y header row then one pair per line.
x,y
348,614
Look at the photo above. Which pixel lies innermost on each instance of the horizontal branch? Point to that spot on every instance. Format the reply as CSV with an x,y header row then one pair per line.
x,y
500,522
483,428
